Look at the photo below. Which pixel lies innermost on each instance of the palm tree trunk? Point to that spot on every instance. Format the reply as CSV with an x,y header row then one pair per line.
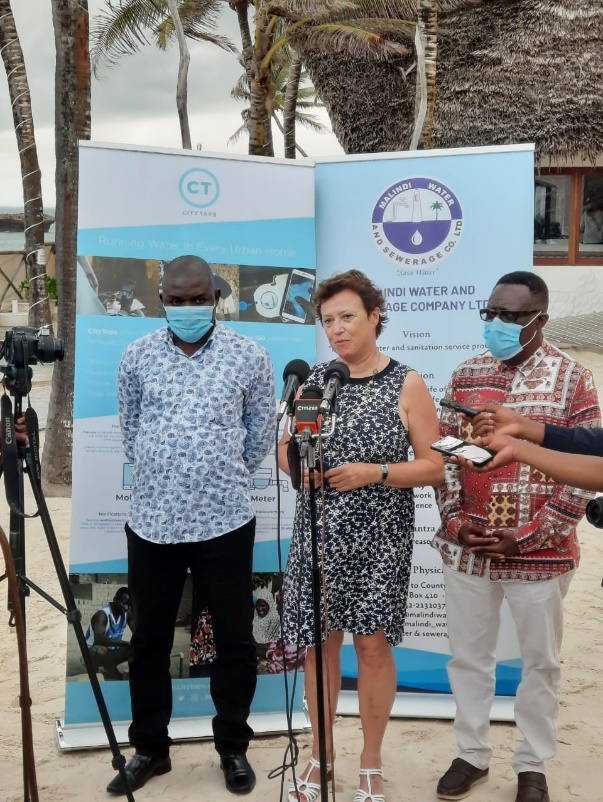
x,y
182,89
242,9
430,29
289,106
280,127
72,122
426,43
31,176
260,111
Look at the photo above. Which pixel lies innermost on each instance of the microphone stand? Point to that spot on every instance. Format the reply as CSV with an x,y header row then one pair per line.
x,y
316,590
306,442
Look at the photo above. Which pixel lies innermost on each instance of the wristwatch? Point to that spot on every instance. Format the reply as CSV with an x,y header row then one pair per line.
x,y
384,472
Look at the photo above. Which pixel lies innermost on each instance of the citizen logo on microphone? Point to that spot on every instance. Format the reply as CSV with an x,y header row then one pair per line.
x,y
307,414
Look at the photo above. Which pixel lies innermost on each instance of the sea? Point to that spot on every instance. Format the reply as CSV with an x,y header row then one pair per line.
x,y
15,240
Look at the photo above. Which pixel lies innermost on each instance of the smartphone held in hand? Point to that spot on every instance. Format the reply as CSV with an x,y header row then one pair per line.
x,y
453,447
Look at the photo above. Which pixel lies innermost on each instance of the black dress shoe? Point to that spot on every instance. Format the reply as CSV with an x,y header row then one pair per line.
x,y
239,776
460,778
532,787
140,769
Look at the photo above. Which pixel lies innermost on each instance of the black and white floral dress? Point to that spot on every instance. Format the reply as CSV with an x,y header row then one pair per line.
x,y
368,532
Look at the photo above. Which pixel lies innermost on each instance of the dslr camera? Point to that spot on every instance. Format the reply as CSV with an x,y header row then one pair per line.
x,y
26,345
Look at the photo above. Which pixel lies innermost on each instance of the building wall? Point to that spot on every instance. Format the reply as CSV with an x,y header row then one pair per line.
x,y
573,290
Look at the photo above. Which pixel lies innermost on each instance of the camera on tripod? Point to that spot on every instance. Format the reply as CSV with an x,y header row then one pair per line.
x,y
24,346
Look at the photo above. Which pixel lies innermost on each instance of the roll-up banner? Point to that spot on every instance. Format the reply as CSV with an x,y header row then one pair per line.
x,y
253,221
435,230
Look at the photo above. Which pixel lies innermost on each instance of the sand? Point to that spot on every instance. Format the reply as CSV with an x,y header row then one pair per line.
x,y
416,752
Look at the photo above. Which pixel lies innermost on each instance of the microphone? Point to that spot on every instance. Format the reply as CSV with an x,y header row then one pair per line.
x,y
307,411
336,375
295,373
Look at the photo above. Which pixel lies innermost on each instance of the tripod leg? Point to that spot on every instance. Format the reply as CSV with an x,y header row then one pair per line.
x,y
74,618
17,550
29,764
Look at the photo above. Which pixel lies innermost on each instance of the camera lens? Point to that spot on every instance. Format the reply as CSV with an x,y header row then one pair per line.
x,y
594,512
50,350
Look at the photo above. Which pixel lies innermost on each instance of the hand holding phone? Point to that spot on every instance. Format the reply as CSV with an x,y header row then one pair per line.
x,y
468,411
453,447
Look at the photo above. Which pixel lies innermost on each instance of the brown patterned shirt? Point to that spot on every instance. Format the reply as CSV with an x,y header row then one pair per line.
x,y
550,387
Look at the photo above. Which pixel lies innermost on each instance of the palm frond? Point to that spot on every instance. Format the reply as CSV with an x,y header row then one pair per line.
x,y
121,30
361,39
128,25
311,122
242,129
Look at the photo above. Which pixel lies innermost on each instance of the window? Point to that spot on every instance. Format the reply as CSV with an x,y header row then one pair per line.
x,y
568,217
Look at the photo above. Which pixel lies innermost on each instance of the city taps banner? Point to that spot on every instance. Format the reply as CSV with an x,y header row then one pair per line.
x,y
435,230
253,221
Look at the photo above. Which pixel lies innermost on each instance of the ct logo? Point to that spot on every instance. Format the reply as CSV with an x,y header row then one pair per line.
x,y
417,222
199,188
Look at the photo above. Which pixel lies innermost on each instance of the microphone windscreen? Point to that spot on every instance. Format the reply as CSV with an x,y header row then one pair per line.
x,y
297,367
337,369
311,391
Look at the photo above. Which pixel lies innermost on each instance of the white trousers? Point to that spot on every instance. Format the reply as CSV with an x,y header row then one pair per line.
x,y
473,618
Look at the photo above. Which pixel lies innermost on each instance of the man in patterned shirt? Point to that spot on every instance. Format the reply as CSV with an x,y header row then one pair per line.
x,y
197,414
510,533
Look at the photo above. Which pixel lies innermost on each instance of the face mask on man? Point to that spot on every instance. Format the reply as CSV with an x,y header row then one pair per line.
x,y
502,339
190,323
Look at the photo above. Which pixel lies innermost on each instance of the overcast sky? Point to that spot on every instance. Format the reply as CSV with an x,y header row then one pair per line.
x,y
133,102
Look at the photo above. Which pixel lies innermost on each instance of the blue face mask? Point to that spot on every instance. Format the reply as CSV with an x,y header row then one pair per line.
x,y
502,339
190,323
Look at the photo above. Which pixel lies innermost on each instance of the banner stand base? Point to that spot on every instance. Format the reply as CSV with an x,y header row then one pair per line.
x,y
426,705
93,736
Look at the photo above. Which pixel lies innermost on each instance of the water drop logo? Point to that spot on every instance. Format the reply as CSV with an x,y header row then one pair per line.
x,y
417,222
199,188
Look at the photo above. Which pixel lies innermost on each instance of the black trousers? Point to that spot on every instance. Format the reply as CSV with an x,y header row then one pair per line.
x,y
156,575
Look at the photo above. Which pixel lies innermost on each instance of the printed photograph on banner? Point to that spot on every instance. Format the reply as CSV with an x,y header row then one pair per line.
x,y
104,603
276,295
273,656
130,287
118,287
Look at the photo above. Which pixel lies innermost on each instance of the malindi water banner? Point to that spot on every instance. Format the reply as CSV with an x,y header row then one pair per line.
x,y
435,230
253,221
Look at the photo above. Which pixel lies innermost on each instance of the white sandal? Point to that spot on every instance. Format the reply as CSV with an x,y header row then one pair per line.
x,y
301,786
368,796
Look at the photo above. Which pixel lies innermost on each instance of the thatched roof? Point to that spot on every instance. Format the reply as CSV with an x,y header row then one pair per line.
x,y
508,71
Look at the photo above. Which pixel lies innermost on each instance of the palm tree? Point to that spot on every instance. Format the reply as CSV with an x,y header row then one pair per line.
x,y
288,79
437,207
31,176
334,26
72,123
125,27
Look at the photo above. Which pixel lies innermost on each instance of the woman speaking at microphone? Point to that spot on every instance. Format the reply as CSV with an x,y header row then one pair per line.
x,y
367,502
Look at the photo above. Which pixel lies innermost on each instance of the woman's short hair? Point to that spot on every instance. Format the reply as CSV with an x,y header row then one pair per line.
x,y
355,281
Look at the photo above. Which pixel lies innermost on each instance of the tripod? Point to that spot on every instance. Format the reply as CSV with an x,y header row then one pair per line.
x,y
16,460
